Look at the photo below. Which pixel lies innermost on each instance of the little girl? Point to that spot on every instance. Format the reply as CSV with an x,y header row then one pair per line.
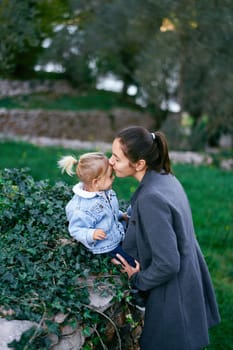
x,y
93,212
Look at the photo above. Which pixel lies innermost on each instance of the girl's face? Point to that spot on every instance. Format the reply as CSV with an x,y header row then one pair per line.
x,y
105,182
120,163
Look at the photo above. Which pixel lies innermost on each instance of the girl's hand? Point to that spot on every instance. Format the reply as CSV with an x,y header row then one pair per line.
x,y
99,235
126,268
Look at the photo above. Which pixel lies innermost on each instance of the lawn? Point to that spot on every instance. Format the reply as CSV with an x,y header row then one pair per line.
x,y
95,99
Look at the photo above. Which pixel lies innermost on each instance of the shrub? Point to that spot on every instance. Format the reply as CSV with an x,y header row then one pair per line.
x,y
41,268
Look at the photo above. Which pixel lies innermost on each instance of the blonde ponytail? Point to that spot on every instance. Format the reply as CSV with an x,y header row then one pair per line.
x,y
66,164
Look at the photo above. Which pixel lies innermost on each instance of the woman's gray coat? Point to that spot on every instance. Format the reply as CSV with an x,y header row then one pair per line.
x,y
181,304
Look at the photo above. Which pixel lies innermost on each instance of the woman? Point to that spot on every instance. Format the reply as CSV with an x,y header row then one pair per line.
x,y
170,268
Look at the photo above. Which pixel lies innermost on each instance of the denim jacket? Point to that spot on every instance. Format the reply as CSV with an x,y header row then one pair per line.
x,y
87,211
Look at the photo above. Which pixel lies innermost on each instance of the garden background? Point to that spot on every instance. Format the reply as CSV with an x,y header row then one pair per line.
x,y
171,68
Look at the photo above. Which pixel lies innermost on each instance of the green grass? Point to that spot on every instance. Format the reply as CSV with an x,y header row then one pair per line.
x,y
96,99
210,191
42,162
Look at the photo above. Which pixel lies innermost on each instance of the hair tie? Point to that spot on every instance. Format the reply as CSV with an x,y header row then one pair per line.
x,y
153,136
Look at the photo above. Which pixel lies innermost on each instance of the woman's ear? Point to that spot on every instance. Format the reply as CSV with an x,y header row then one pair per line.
x,y
140,165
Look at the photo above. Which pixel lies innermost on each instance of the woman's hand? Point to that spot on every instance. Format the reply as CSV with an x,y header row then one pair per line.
x,y
124,217
126,268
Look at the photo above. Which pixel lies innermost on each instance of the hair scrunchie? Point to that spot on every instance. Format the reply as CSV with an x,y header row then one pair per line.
x,y
153,136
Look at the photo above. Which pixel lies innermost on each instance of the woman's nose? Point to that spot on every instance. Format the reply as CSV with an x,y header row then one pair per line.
x,y
111,162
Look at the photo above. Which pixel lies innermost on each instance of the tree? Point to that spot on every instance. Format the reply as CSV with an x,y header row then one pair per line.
x,y
169,50
172,49
207,75
24,25
189,58
104,37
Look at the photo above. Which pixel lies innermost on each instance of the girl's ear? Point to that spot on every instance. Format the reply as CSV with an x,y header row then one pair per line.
x,y
94,183
140,165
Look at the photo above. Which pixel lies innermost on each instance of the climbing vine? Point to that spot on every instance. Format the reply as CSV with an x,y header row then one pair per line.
x,y
43,272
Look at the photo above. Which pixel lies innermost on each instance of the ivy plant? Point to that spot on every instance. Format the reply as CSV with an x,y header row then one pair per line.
x,y
42,269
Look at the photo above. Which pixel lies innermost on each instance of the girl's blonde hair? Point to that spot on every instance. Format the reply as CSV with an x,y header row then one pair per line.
x,y
89,166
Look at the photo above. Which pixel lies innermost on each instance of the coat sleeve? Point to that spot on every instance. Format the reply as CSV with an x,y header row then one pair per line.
x,y
155,230
81,227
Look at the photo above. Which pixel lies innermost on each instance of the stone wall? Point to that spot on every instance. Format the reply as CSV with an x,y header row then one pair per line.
x,y
83,125
119,334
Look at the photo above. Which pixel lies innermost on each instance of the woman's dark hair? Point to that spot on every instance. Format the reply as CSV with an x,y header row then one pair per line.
x,y
139,143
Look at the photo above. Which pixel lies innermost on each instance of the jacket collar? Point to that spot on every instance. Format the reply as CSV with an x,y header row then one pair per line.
x,y
146,179
78,189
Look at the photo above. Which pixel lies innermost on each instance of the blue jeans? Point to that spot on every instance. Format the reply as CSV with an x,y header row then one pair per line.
x,y
120,251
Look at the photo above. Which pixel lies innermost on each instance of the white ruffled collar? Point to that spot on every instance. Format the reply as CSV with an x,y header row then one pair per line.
x,y
78,189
